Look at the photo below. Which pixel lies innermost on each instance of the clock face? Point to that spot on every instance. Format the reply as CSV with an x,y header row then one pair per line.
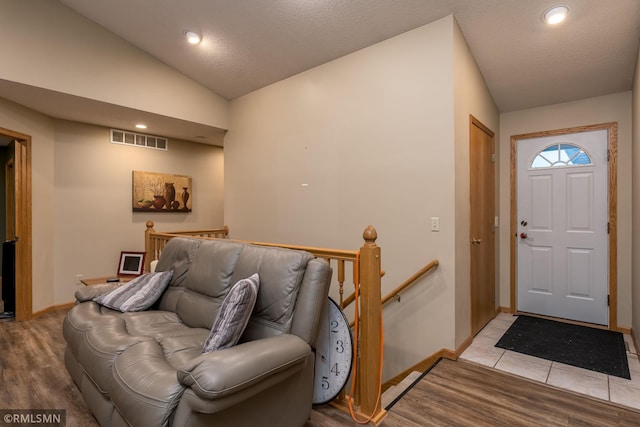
x,y
334,355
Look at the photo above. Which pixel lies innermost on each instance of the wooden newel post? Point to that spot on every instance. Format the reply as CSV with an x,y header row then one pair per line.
x,y
148,248
370,324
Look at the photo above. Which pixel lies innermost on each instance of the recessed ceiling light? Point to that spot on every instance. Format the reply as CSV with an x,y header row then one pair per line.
x,y
555,15
192,38
141,126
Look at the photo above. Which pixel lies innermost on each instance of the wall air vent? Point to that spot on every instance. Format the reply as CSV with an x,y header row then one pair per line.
x,y
139,140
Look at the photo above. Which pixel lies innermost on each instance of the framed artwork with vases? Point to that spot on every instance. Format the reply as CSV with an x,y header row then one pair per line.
x,y
161,192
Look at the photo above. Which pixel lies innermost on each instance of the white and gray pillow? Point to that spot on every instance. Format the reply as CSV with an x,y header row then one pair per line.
x,y
138,294
233,315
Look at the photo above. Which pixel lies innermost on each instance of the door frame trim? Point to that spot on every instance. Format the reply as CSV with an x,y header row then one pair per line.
x,y
612,151
24,254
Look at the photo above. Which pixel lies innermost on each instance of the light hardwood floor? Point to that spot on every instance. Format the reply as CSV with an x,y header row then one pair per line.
x,y
466,394
32,372
32,376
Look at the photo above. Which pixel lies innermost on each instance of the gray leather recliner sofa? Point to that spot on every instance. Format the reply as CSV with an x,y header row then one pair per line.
x,y
146,368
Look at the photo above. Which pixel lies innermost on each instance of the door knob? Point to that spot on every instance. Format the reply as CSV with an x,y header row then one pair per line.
x,y
476,241
523,235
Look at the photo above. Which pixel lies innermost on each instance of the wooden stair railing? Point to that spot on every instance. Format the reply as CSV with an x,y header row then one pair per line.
x,y
411,280
395,293
365,267
155,242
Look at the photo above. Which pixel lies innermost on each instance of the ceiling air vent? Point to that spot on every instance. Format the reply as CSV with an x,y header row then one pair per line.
x,y
138,139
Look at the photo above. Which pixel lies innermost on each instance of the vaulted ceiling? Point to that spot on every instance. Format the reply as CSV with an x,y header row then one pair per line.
x,y
248,44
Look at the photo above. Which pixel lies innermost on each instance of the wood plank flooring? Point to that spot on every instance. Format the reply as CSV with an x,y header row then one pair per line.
x,y
32,372
33,376
464,394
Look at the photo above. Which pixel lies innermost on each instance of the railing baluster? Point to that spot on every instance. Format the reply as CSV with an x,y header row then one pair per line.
x,y
341,280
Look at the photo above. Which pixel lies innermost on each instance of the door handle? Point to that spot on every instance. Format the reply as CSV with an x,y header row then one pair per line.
x,y
476,241
523,235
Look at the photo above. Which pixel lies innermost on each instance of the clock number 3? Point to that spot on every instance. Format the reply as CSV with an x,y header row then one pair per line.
x,y
340,346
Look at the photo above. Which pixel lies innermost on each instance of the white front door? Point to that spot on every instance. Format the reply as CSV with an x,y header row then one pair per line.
x,y
562,226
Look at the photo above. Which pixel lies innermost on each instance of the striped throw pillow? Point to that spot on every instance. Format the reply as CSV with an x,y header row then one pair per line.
x,y
233,315
138,294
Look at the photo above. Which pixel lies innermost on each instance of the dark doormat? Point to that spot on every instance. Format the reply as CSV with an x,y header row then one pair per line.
x,y
594,349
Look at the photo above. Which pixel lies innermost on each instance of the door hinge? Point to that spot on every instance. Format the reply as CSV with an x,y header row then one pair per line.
x,y
493,157
608,302
608,228
608,156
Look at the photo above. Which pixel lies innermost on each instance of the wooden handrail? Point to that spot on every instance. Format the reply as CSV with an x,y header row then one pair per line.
x,y
348,300
338,254
224,230
410,280
155,242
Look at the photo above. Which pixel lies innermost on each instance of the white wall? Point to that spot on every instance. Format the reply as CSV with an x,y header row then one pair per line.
x,y
610,108
372,134
93,194
47,45
41,129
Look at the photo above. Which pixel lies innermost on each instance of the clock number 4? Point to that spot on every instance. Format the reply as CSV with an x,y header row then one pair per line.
x,y
335,369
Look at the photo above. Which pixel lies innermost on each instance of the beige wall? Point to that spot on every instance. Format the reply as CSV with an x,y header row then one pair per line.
x,y
41,129
81,183
635,121
92,207
610,108
47,45
372,134
472,97
82,215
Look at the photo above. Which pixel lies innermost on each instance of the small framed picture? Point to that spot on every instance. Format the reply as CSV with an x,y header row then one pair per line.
x,y
131,263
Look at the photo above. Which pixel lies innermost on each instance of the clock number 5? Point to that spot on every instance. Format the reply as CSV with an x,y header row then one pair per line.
x,y
325,383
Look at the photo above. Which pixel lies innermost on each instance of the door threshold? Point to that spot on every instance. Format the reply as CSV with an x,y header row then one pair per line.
x,y
563,320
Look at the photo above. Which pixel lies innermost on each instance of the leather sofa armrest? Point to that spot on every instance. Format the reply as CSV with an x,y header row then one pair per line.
x,y
88,293
225,372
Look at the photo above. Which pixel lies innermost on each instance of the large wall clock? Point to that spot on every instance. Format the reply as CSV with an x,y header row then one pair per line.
x,y
334,355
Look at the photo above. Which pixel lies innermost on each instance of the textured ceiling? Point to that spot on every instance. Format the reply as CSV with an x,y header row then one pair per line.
x,y
248,44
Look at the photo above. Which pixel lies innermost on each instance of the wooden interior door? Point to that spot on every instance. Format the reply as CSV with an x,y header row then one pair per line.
x,y
22,162
10,199
482,230
19,228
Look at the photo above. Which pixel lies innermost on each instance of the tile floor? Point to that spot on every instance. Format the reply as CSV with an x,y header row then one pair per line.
x,y
602,386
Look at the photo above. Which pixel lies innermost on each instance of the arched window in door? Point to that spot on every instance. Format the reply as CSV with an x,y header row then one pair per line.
x,y
561,155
